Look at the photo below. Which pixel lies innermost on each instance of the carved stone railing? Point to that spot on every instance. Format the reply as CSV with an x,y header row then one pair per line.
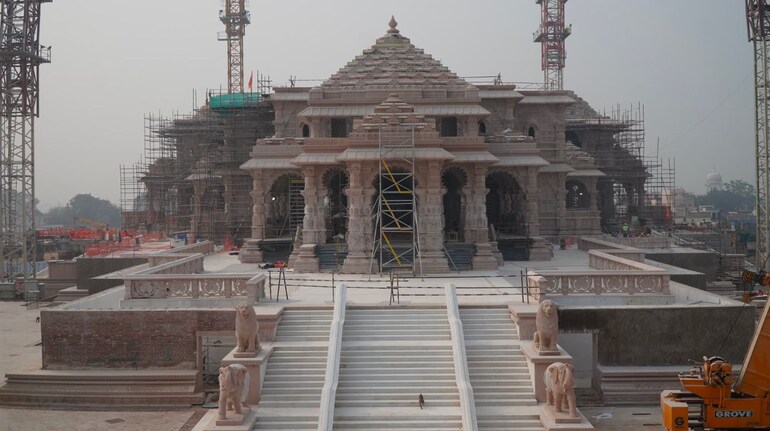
x,y
612,275
165,286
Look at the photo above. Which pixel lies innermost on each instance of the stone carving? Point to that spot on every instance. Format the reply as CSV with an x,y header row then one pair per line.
x,y
233,387
546,327
560,388
246,328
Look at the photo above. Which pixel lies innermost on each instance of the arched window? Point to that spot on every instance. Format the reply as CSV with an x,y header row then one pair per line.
x,y
482,128
531,132
305,131
577,195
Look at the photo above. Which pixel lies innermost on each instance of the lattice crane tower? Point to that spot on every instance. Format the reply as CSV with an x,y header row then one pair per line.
x,y
20,57
551,35
235,17
758,26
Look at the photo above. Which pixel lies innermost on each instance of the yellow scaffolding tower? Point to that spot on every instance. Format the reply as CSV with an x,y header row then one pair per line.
x,y
396,243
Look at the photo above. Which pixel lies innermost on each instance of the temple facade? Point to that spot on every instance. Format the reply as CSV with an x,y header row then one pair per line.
x,y
488,166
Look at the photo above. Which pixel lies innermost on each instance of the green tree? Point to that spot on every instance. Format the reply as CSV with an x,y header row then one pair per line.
x,y
736,195
87,206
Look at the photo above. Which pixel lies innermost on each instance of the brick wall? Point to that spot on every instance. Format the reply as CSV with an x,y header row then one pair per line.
x,y
132,338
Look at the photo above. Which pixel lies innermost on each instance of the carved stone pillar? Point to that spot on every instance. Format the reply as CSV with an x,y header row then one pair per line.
x,y
312,224
360,223
540,249
430,213
251,251
477,225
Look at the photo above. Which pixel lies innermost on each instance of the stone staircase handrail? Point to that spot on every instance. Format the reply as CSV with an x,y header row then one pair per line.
x,y
462,376
332,376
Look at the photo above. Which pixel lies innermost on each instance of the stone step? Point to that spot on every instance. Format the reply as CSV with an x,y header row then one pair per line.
x,y
365,403
102,388
436,423
298,423
398,371
395,383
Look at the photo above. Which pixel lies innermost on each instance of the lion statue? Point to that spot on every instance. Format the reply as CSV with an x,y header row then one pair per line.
x,y
246,328
560,388
233,388
546,327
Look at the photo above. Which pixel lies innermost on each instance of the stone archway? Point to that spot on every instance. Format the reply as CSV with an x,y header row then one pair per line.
x,y
285,206
506,204
335,182
453,180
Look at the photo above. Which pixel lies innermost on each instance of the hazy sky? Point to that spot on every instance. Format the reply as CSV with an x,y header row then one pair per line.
x,y
687,61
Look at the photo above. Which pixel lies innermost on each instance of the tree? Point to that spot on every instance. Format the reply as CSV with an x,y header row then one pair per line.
x,y
87,206
736,195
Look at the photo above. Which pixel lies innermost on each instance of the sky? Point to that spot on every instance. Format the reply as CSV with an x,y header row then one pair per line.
x,y
687,61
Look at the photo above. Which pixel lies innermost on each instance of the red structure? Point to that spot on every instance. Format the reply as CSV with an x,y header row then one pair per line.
x,y
551,35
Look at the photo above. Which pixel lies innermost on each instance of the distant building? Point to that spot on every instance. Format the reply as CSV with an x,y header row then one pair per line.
x,y
713,180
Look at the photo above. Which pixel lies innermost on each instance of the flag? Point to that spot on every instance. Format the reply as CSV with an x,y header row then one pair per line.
x,y
251,81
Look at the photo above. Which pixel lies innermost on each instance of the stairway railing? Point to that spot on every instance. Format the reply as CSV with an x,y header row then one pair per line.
x,y
329,391
462,377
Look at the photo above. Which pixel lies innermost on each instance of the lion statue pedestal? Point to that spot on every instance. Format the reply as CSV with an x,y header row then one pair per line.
x,y
546,328
246,331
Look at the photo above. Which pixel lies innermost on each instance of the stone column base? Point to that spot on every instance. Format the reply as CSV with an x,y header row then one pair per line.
x,y
251,252
484,259
358,263
306,259
541,249
432,262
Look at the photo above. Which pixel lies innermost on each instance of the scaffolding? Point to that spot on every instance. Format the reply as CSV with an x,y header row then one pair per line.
x,y
396,244
660,190
20,62
758,23
188,182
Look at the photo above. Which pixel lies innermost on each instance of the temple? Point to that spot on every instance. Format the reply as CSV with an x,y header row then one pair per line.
x,y
487,169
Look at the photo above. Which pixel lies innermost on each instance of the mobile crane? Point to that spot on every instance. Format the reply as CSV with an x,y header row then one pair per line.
x,y
713,399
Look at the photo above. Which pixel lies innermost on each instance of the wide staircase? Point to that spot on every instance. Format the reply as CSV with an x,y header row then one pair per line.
x,y
460,255
389,357
331,256
502,388
291,391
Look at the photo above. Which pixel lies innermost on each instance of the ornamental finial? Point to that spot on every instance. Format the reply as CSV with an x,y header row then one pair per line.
x,y
392,24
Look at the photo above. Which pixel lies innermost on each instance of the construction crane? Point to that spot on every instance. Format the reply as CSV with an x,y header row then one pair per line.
x,y
714,399
20,57
758,27
551,35
235,17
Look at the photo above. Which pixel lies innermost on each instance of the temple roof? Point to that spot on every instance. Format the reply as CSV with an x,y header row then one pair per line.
x,y
395,63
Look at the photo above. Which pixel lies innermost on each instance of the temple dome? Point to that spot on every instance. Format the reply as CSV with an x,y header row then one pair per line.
x,y
713,180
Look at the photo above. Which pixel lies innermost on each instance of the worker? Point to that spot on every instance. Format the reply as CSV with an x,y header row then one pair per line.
x,y
625,230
